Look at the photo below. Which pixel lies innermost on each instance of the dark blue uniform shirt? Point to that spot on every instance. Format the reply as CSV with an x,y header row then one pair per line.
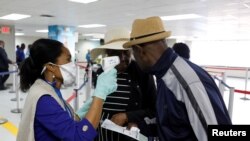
x,y
53,123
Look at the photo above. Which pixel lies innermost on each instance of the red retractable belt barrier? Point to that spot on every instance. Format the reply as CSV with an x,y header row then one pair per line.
x,y
226,68
242,92
71,97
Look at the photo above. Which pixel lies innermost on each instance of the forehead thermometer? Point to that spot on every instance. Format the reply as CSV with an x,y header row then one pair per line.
x,y
110,62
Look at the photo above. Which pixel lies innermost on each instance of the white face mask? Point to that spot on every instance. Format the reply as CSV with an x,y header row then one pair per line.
x,y
68,72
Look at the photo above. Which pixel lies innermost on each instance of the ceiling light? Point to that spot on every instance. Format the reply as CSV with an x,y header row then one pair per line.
x,y
42,31
14,17
246,5
83,1
95,35
19,34
180,17
92,25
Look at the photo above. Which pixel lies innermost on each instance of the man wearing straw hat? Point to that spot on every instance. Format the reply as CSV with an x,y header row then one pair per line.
x,y
188,99
135,97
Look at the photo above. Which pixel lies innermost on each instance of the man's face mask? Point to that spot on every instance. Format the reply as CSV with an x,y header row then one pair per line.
x,y
68,72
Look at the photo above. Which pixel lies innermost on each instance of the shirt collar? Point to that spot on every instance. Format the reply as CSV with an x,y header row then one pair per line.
x,y
163,64
53,84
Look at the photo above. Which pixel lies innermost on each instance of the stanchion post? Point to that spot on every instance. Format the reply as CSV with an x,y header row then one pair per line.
x,y
3,120
18,109
89,83
13,89
15,83
76,101
77,76
221,86
231,102
246,82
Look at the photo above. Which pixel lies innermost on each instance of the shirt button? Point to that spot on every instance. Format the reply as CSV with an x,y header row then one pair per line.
x,y
85,128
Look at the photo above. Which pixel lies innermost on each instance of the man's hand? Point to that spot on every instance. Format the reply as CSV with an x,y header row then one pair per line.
x,y
131,124
120,119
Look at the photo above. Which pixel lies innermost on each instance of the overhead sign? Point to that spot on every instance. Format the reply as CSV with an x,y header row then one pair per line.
x,y
5,29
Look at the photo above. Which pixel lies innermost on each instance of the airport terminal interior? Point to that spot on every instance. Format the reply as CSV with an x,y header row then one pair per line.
x,y
216,31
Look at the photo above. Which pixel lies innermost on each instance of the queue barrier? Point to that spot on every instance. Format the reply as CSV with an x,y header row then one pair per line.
x,y
232,90
3,120
14,88
87,82
231,96
228,68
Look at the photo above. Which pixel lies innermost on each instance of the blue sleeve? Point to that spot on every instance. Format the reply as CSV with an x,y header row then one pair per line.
x,y
53,117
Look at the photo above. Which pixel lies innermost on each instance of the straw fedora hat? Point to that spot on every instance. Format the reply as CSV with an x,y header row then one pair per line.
x,y
114,39
147,30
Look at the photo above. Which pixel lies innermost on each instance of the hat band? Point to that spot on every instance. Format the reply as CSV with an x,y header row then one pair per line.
x,y
116,40
145,35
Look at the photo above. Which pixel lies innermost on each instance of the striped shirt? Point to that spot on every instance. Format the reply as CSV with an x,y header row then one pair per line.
x,y
115,103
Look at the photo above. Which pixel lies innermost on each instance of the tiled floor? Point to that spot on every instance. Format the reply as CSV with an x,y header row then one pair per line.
x,y
241,114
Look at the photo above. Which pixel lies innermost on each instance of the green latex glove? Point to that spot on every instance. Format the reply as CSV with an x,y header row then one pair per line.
x,y
85,108
106,84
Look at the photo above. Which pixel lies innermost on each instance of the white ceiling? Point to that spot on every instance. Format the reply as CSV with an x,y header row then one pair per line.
x,y
220,18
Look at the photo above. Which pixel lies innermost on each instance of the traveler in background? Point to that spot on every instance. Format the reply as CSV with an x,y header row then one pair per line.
x,y
27,54
20,54
182,50
188,99
134,99
4,65
88,57
17,52
46,116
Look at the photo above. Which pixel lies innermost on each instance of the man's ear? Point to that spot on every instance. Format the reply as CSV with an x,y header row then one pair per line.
x,y
139,50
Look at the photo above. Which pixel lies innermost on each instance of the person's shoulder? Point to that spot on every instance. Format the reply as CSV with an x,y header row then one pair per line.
x,y
1,49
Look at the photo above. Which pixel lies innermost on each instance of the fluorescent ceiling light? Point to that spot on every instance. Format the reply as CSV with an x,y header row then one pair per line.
x,y
19,34
83,1
90,34
92,25
14,16
94,35
42,31
246,5
180,17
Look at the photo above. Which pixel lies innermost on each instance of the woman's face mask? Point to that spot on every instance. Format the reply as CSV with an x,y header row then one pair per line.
x,y
68,72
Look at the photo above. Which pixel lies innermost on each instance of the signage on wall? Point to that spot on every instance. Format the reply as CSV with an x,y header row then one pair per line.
x,y
5,29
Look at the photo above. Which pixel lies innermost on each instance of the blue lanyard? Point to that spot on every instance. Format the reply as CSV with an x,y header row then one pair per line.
x,y
59,94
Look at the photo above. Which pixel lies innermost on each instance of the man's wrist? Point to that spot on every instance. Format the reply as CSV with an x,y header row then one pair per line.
x,y
98,97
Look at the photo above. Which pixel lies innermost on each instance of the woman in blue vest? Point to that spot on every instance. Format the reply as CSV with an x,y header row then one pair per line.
x,y
46,116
